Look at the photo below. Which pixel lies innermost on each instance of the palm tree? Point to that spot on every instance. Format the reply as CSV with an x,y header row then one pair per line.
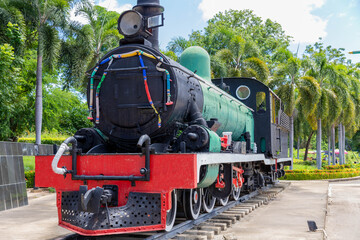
x,y
76,54
240,58
291,87
325,74
177,45
348,95
102,29
42,17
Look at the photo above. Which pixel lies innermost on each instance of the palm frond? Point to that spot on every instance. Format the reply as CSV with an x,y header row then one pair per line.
x,y
51,46
262,72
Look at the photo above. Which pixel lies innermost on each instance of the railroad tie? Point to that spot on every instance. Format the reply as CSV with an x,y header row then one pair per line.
x,y
236,213
214,229
224,221
221,225
252,206
245,210
227,217
207,234
258,202
233,214
190,237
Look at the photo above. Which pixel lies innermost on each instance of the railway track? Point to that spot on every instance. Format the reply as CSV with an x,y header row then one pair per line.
x,y
207,226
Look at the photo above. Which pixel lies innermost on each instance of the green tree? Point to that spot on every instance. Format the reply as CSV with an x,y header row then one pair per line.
x,y
101,29
321,64
241,58
42,17
268,35
295,90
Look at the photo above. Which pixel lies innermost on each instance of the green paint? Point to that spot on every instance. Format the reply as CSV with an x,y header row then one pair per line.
x,y
197,59
215,142
212,172
262,145
233,115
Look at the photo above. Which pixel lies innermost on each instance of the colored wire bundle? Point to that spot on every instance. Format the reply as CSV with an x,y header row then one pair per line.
x,y
128,55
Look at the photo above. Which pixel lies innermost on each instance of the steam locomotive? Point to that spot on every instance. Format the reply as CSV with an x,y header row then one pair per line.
x,y
167,139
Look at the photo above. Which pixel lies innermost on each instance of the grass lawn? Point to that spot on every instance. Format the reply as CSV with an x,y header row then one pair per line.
x,y
29,163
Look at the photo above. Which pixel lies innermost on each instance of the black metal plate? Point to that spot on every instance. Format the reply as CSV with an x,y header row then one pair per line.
x,y
142,209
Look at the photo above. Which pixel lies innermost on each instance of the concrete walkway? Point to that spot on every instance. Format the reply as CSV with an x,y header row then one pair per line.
x,y
343,215
38,220
286,216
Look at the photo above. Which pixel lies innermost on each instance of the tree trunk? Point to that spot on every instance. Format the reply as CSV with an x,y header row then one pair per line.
x,y
38,98
329,147
318,144
291,141
298,148
340,143
333,144
343,145
307,146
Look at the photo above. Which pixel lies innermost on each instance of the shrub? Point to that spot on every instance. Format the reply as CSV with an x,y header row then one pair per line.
x,y
30,178
320,174
57,141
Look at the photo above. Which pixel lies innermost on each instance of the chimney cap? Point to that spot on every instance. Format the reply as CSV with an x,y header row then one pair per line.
x,y
149,3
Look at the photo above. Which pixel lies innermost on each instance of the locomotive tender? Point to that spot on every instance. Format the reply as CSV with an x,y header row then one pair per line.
x,y
167,139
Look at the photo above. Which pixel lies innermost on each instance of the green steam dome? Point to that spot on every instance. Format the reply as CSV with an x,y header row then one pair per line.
x,y
197,59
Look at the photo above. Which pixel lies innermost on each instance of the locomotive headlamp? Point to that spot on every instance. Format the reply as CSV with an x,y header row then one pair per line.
x,y
130,23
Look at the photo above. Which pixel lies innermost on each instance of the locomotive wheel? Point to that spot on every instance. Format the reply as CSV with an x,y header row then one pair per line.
x,y
208,201
192,199
236,193
171,214
223,201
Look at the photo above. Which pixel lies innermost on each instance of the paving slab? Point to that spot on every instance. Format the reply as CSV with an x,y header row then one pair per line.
x,y
38,220
286,216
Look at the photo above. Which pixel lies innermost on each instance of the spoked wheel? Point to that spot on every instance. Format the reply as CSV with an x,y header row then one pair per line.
x,y
236,193
223,201
171,214
208,201
192,203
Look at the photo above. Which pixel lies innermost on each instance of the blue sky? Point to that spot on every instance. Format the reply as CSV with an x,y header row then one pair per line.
x,y
337,22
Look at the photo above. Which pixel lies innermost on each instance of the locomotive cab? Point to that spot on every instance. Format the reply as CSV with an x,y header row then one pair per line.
x,y
272,125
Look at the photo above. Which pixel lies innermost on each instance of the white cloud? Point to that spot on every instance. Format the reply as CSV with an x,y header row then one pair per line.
x,y
110,5
295,16
113,5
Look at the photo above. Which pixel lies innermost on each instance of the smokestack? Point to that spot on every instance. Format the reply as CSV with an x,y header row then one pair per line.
x,y
149,8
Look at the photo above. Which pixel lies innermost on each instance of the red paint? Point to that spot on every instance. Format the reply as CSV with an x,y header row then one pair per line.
x,y
220,184
167,172
224,142
238,179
